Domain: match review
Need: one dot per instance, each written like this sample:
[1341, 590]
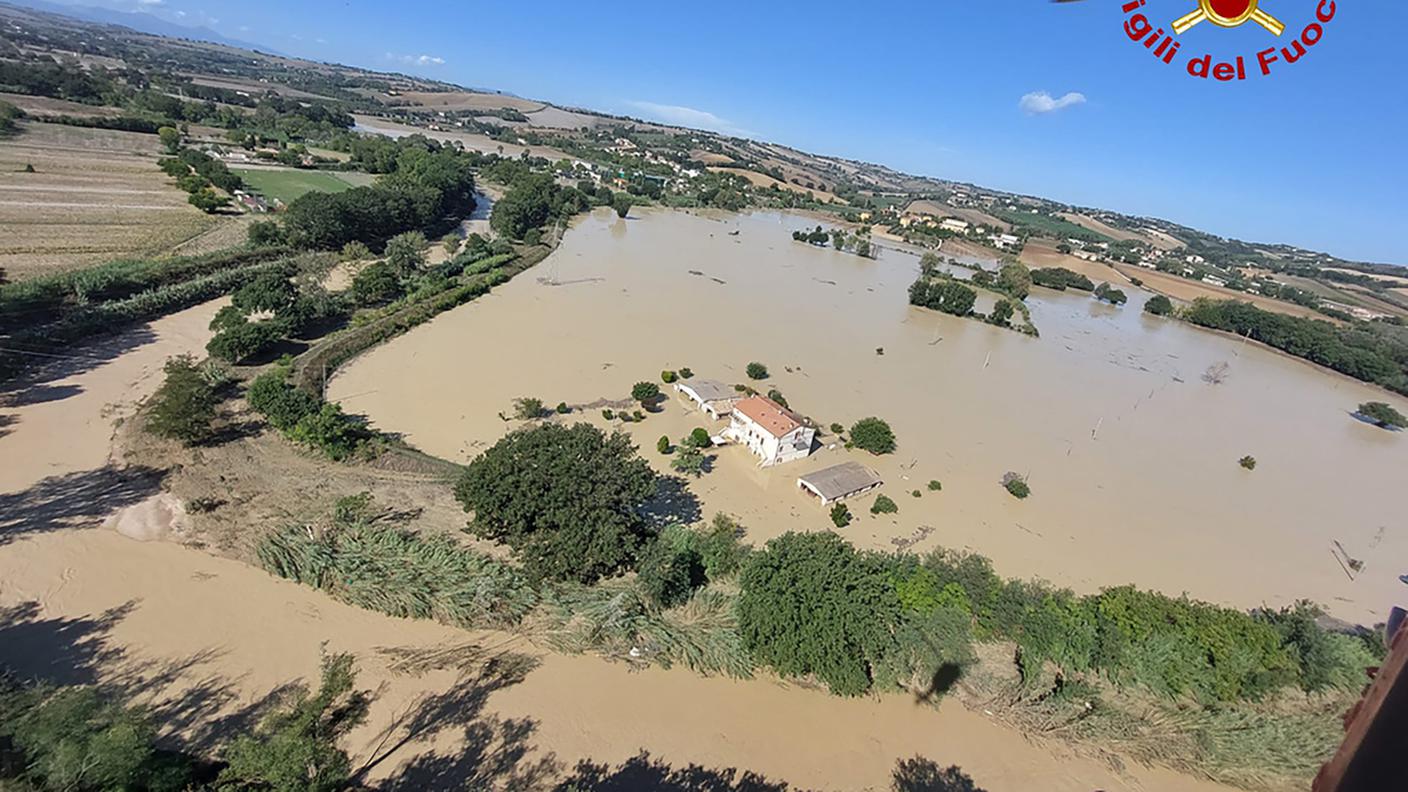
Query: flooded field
[1132, 457]
[203, 641]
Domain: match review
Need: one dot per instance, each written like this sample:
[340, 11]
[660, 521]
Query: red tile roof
[771, 416]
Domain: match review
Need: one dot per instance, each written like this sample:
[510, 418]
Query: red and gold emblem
[1228, 13]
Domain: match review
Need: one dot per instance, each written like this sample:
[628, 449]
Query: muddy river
[1131, 455]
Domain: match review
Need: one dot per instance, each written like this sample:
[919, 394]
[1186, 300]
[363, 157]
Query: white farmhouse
[772, 432]
[955, 225]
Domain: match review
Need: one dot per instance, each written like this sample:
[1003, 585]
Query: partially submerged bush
[1016, 484]
[840, 515]
[884, 505]
[1383, 415]
[756, 371]
[668, 377]
[1248, 462]
[873, 435]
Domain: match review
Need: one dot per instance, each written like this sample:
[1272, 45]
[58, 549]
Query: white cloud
[416, 60]
[1041, 102]
[686, 117]
[149, 3]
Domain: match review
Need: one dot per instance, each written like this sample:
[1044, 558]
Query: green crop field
[286, 185]
[1054, 227]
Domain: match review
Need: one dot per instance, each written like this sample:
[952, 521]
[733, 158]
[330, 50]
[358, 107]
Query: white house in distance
[772, 432]
[955, 225]
[713, 398]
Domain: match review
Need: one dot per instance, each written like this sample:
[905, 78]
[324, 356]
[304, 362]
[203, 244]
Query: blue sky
[1313, 155]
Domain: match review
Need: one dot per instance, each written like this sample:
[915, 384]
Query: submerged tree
[1383, 415]
[873, 435]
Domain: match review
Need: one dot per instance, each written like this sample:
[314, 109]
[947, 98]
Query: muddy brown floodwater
[202, 640]
[1131, 456]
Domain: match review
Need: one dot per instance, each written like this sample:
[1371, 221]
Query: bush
[668, 377]
[331, 432]
[375, 284]
[663, 445]
[268, 292]
[265, 233]
[239, 343]
[562, 408]
[281, 403]
[873, 435]
[183, 408]
[1158, 305]
[699, 438]
[689, 461]
[1383, 415]
[776, 395]
[645, 392]
[837, 428]
[840, 515]
[671, 567]
[757, 371]
[1110, 294]
[295, 747]
[884, 505]
[355, 251]
[721, 548]
[528, 409]
[565, 499]
[1016, 484]
[812, 605]
[78, 738]
[1248, 462]
[1015, 279]
[685, 373]
[935, 485]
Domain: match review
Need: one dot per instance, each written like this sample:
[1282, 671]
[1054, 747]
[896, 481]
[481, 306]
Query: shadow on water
[198, 712]
[43, 365]
[673, 504]
[74, 498]
[40, 394]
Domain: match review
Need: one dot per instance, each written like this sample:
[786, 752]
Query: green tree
[621, 202]
[671, 567]
[756, 371]
[1001, 313]
[272, 396]
[405, 253]
[1383, 415]
[873, 435]
[77, 738]
[1158, 305]
[330, 431]
[208, 201]
[645, 392]
[268, 292]
[689, 461]
[699, 438]
[663, 445]
[376, 283]
[1015, 279]
[565, 499]
[295, 748]
[1110, 294]
[183, 408]
[812, 605]
[170, 139]
[265, 233]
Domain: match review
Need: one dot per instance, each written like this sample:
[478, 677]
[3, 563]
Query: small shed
[712, 397]
[839, 482]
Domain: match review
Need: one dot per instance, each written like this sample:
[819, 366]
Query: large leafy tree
[565, 499]
[811, 604]
[873, 435]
